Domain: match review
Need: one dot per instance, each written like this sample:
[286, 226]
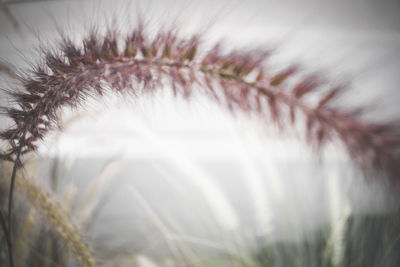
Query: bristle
[307, 85]
[279, 78]
[329, 96]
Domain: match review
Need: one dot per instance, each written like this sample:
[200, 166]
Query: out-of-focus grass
[368, 240]
[372, 240]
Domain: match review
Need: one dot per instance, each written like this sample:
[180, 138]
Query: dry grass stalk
[57, 218]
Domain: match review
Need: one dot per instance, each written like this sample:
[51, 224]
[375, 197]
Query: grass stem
[7, 237]
[9, 212]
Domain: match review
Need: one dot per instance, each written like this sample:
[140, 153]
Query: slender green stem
[10, 195]
[7, 237]
[10, 198]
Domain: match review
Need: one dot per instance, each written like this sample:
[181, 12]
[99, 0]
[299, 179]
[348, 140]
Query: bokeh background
[167, 180]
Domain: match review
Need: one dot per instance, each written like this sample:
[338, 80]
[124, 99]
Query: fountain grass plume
[239, 80]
